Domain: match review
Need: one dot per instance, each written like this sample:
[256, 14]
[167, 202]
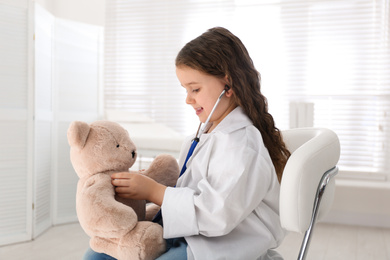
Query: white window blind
[331, 56]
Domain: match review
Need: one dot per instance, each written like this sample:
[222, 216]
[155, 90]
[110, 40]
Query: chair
[309, 170]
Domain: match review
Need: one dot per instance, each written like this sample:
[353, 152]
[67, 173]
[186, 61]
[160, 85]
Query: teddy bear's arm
[98, 211]
[164, 169]
[151, 211]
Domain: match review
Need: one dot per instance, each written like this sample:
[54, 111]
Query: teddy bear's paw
[164, 169]
[151, 211]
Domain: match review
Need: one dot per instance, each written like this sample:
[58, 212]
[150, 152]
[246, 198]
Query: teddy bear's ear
[78, 133]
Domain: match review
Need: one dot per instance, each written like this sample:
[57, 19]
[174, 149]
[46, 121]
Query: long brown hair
[219, 53]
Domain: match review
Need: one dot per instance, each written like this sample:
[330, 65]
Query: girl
[225, 205]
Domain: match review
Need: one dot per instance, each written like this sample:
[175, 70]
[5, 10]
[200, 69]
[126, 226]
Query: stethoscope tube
[195, 141]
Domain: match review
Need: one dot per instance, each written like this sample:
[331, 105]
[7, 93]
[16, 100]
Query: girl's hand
[137, 186]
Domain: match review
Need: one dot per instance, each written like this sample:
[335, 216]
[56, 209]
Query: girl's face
[203, 91]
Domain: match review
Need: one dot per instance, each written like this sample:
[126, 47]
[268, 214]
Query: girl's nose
[189, 99]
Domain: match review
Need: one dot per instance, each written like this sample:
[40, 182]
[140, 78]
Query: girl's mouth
[198, 110]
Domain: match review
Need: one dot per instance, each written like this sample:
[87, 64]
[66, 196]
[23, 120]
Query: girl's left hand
[134, 185]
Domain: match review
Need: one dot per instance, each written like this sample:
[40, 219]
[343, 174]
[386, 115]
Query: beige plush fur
[116, 226]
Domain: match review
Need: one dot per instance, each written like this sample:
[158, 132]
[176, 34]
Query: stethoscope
[201, 130]
[195, 141]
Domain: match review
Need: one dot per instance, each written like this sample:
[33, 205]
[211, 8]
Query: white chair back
[313, 152]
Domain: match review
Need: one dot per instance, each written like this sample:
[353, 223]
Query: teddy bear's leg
[151, 239]
[144, 242]
[108, 246]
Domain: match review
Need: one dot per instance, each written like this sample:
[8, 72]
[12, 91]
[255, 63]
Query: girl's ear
[229, 93]
[228, 85]
[78, 133]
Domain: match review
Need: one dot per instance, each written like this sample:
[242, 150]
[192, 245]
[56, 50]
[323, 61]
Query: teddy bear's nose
[133, 153]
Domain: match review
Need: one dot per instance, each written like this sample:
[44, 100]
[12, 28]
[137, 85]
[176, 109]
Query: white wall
[85, 11]
[361, 202]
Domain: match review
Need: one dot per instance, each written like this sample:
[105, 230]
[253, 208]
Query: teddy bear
[116, 226]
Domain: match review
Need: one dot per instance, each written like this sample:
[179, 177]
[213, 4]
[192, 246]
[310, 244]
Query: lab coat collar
[235, 120]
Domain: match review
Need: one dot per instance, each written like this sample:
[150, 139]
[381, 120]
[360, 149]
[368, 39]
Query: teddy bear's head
[100, 147]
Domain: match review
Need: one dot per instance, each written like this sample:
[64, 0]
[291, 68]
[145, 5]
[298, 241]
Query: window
[330, 57]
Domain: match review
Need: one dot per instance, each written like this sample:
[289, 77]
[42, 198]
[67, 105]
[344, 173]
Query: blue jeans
[92, 255]
[176, 250]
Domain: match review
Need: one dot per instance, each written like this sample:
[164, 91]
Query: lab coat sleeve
[178, 213]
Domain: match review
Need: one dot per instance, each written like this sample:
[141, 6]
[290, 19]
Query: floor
[68, 242]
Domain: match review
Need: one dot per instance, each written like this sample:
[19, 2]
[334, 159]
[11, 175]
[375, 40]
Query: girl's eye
[195, 90]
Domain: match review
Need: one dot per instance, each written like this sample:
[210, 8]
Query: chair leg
[328, 175]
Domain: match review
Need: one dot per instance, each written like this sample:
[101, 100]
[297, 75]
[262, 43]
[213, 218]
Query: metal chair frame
[326, 177]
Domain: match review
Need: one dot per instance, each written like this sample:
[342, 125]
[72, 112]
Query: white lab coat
[226, 204]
